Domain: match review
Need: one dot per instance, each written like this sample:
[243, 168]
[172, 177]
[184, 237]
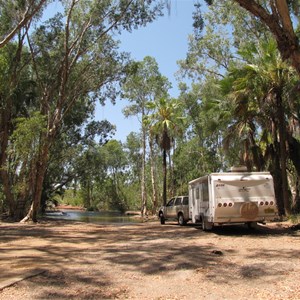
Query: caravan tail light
[266, 203]
[230, 204]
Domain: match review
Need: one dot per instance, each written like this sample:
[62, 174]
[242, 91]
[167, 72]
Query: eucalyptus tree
[166, 122]
[99, 172]
[75, 59]
[74, 161]
[277, 16]
[132, 147]
[145, 84]
[17, 99]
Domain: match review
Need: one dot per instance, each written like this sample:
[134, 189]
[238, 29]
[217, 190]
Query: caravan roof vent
[238, 169]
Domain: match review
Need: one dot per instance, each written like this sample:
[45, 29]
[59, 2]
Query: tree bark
[165, 177]
[41, 166]
[283, 153]
[143, 177]
[153, 177]
[4, 173]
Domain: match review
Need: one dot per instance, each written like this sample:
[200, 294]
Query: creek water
[93, 217]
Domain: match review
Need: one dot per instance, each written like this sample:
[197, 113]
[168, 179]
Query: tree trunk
[5, 120]
[41, 167]
[294, 154]
[143, 183]
[172, 187]
[283, 153]
[153, 177]
[165, 177]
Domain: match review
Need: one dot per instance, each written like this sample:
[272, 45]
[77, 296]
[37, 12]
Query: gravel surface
[73, 260]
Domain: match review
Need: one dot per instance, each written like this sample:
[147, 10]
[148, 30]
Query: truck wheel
[181, 220]
[162, 219]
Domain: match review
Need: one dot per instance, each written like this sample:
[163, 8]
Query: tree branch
[27, 16]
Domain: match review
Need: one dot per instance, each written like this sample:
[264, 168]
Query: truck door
[178, 206]
[170, 209]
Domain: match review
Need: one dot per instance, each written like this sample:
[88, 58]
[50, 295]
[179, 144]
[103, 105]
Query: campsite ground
[72, 260]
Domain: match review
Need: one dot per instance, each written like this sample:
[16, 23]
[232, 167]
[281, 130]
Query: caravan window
[198, 193]
[205, 192]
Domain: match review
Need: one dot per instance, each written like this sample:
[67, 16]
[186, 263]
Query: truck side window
[198, 193]
[185, 201]
[178, 201]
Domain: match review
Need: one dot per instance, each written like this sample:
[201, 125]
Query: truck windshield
[171, 202]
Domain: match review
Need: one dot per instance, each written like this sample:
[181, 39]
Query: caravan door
[204, 203]
[195, 203]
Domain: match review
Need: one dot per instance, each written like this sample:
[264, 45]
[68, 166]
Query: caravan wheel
[251, 225]
[206, 226]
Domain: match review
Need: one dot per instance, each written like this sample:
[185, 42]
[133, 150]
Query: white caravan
[232, 197]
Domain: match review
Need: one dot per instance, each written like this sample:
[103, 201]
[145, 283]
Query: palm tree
[259, 92]
[165, 124]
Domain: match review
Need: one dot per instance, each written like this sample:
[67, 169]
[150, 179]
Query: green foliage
[70, 197]
[166, 121]
[144, 85]
[26, 137]
[295, 219]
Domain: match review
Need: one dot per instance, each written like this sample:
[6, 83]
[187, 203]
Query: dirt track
[148, 261]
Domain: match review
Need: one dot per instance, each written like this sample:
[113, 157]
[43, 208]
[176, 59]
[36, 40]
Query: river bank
[74, 260]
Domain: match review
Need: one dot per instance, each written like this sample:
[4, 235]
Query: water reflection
[92, 216]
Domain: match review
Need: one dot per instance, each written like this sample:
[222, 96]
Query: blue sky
[166, 39]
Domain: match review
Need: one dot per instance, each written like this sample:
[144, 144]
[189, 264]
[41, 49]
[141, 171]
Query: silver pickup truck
[176, 209]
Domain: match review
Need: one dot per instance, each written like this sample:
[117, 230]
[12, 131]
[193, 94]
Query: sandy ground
[71, 260]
